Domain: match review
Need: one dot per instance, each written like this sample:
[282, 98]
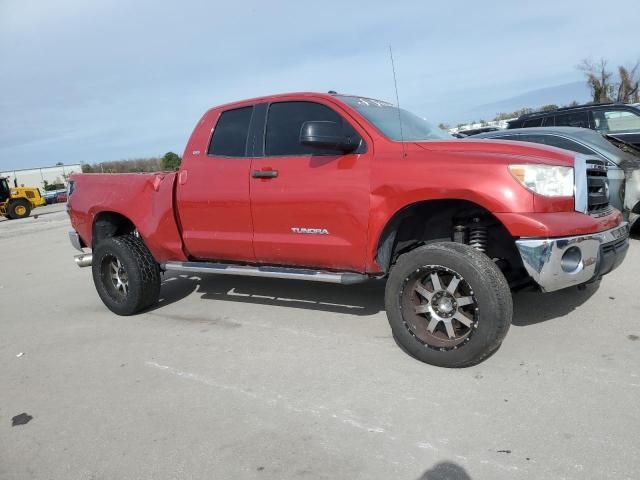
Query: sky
[92, 81]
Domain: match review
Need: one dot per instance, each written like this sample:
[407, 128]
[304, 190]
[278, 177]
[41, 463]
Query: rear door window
[565, 143]
[534, 122]
[507, 137]
[530, 138]
[550, 121]
[575, 119]
[230, 135]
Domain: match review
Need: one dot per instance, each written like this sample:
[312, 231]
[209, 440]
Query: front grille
[597, 188]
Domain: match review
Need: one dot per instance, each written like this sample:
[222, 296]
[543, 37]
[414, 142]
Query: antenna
[395, 84]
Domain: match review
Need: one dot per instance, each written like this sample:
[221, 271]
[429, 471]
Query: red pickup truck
[338, 188]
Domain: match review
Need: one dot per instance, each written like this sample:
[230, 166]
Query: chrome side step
[344, 278]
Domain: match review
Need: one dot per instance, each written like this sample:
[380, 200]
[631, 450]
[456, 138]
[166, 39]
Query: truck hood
[511, 151]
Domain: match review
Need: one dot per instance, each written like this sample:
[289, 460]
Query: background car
[474, 131]
[617, 119]
[623, 160]
[55, 196]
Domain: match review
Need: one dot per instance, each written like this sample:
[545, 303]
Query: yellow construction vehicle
[18, 202]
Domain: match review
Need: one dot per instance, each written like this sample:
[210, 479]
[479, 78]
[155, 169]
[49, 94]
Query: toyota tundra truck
[341, 189]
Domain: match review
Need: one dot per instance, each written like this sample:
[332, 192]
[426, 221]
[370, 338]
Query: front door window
[616, 120]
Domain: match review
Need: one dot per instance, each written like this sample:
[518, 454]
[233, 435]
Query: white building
[35, 177]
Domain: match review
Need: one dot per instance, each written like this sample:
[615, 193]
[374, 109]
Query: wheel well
[449, 220]
[110, 224]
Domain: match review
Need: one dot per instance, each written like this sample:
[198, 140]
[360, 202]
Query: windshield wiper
[630, 146]
[629, 163]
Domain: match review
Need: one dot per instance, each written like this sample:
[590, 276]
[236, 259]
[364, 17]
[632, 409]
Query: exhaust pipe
[84, 260]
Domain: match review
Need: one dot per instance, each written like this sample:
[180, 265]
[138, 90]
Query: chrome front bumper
[556, 263]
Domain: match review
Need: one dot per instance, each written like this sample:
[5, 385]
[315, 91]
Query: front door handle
[264, 173]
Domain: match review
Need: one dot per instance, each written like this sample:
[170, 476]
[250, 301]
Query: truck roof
[279, 96]
[270, 98]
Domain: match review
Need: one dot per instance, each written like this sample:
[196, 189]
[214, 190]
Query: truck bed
[145, 199]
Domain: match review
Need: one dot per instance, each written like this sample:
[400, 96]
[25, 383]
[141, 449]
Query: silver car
[622, 159]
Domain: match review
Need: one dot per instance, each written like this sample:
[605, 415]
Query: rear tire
[19, 209]
[448, 304]
[126, 276]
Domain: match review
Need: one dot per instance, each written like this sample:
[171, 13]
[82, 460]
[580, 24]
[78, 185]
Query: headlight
[547, 180]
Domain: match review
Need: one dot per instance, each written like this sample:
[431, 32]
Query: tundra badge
[310, 231]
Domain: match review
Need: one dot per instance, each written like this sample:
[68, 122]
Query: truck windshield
[384, 116]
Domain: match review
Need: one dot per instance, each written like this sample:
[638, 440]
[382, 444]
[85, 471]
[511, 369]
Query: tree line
[169, 161]
[606, 87]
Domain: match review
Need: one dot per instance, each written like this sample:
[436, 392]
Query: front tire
[448, 304]
[19, 209]
[126, 276]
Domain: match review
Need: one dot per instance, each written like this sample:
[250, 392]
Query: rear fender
[146, 202]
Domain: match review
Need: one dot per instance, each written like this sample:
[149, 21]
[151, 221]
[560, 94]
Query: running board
[344, 278]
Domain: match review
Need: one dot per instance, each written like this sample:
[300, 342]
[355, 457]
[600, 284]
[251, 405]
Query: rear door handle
[264, 173]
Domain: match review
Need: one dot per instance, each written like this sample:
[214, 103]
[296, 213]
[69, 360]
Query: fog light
[571, 261]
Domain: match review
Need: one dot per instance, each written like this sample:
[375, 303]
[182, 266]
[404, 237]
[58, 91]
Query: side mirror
[326, 134]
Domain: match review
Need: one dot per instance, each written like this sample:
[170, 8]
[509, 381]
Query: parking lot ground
[235, 377]
[44, 210]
